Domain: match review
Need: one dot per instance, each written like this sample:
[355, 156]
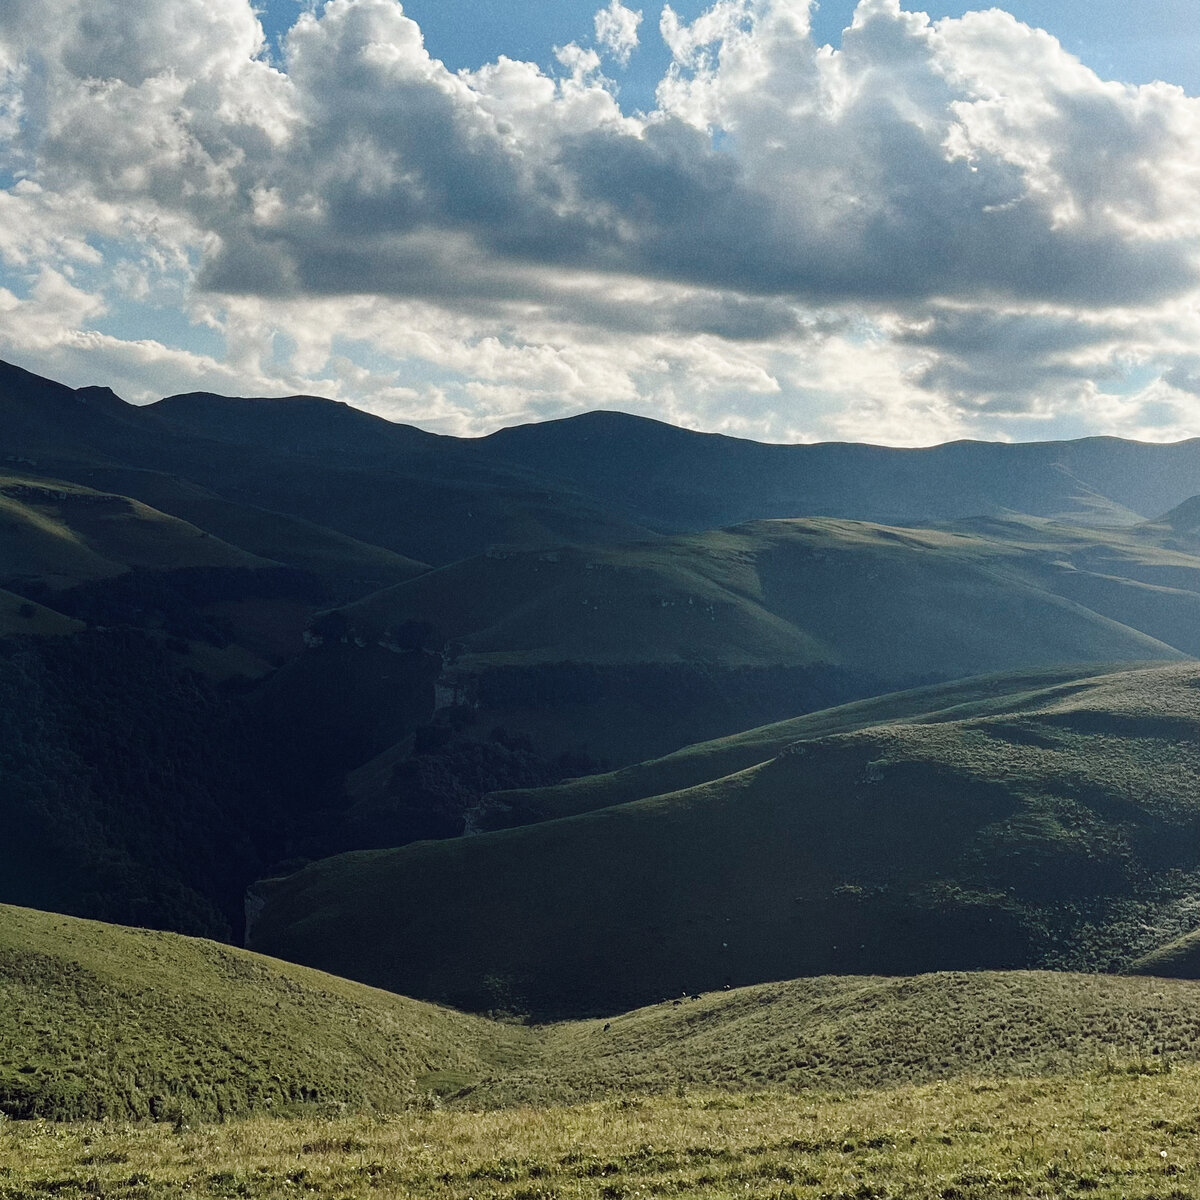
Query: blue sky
[1136, 43]
[945, 223]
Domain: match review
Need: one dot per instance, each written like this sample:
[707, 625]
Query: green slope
[349, 568]
[639, 649]
[105, 1021]
[19, 617]
[706, 761]
[112, 1022]
[863, 1031]
[770, 592]
[1178, 959]
[63, 534]
[1062, 833]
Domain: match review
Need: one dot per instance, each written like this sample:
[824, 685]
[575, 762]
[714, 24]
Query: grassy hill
[63, 534]
[799, 591]
[638, 649]
[862, 1031]
[1063, 834]
[706, 761]
[20, 617]
[104, 1021]
[1178, 959]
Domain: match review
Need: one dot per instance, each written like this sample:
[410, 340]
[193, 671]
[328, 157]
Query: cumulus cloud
[617, 30]
[956, 216]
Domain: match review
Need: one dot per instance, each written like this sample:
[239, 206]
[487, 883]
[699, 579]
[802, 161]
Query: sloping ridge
[100, 1021]
[1183, 519]
[1061, 834]
[704, 762]
[104, 1021]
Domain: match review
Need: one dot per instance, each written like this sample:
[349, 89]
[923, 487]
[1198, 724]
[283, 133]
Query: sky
[757, 217]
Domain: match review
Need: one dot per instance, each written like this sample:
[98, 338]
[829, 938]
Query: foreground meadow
[1128, 1131]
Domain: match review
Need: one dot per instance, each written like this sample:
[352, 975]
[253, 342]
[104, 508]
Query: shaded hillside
[1060, 834]
[1181, 524]
[347, 567]
[698, 480]
[106, 560]
[631, 651]
[133, 789]
[1178, 959]
[102, 1021]
[431, 508]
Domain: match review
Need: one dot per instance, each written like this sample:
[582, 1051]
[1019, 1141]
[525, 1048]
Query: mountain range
[716, 712]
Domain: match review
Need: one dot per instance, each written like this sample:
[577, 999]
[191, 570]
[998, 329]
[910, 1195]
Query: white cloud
[617, 30]
[943, 228]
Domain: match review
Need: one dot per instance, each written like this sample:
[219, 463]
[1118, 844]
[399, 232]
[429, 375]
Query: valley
[586, 794]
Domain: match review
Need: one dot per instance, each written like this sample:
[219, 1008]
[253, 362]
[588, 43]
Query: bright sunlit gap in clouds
[859, 223]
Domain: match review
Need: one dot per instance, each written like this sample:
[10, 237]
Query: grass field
[97, 1020]
[1116, 1134]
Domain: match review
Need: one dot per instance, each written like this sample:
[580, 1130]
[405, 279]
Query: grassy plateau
[1113, 1134]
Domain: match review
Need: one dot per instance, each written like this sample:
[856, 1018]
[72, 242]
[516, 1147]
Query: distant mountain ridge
[236, 633]
[596, 476]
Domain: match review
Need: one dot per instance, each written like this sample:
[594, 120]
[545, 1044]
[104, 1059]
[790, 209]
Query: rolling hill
[62, 534]
[595, 477]
[1062, 833]
[631, 651]
[986, 695]
[304, 458]
[102, 1021]
[691, 480]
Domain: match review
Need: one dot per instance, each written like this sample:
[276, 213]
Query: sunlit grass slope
[977, 696]
[856, 1031]
[104, 1021]
[1065, 833]
[62, 534]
